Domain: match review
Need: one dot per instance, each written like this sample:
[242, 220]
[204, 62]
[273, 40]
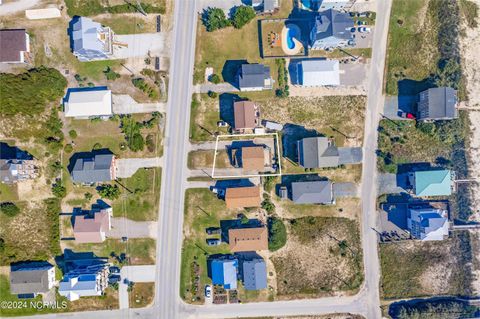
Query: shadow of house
[74, 20]
[225, 225]
[226, 101]
[71, 259]
[291, 134]
[408, 91]
[86, 155]
[230, 70]
[232, 183]
[287, 181]
[421, 306]
[8, 152]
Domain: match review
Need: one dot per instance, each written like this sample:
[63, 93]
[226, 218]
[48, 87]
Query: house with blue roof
[224, 272]
[89, 40]
[254, 274]
[428, 223]
[432, 182]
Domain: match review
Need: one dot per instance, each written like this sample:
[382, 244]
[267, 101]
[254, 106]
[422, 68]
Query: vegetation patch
[447, 308]
[277, 234]
[94, 7]
[337, 265]
[141, 295]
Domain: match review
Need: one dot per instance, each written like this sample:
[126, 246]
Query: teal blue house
[432, 183]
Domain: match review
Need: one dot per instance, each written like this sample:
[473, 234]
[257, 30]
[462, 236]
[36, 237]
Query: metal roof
[332, 23]
[433, 183]
[254, 274]
[319, 72]
[428, 224]
[87, 102]
[438, 103]
[316, 192]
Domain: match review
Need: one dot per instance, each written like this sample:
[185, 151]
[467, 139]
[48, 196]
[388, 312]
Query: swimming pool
[291, 33]
[310, 4]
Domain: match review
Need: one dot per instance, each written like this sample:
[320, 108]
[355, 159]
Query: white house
[88, 102]
[428, 223]
[318, 73]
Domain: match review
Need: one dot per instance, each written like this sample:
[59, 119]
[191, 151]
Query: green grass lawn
[8, 192]
[142, 203]
[142, 294]
[202, 210]
[122, 24]
[412, 44]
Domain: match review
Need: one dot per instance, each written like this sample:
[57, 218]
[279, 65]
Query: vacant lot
[347, 207]
[416, 269]
[203, 119]
[32, 234]
[128, 23]
[204, 159]
[139, 251]
[215, 48]
[409, 141]
[140, 195]
[412, 45]
[142, 294]
[337, 266]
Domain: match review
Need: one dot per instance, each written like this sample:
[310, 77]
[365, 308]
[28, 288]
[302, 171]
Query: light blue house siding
[89, 40]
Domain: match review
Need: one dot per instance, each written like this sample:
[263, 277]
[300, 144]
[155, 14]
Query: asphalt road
[167, 301]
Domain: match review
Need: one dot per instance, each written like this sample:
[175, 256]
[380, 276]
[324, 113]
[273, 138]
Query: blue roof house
[224, 272]
[254, 274]
[432, 183]
[89, 40]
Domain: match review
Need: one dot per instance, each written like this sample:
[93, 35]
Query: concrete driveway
[391, 183]
[350, 155]
[219, 88]
[354, 74]
[125, 104]
[140, 45]
[126, 167]
[133, 274]
[123, 227]
[345, 190]
[394, 104]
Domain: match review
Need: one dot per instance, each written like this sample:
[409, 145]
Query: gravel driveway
[126, 167]
[125, 104]
[123, 227]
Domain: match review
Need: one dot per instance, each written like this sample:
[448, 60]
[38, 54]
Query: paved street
[126, 167]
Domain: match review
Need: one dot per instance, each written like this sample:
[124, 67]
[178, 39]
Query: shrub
[242, 16]
[214, 19]
[72, 134]
[109, 191]
[9, 209]
[88, 196]
[277, 234]
[110, 74]
[68, 148]
[150, 143]
[214, 78]
[97, 146]
[136, 142]
[212, 94]
[59, 190]
[268, 206]
[438, 309]
[147, 88]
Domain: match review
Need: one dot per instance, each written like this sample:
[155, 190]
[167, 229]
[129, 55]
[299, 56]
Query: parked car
[113, 279]
[406, 115]
[351, 43]
[364, 30]
[353, 30]
[361, 22]
[213, 241]
[218, 191]
[213, 230]
[208, 291]
[362, 14]
[222, 124]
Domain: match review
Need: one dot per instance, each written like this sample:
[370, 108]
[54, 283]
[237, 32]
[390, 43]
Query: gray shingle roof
[333, 23]
[93, 170]
[254, 274]
[28, 279]
[315, 152]
[438, 103]
[253, 75]
[317, 192]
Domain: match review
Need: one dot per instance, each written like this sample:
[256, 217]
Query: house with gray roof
[89, 40]
[16, 165]
[428, 223]
[314, 72]
[254, 274]
[313, 192]
[437, 104]
[94, 169]
[317, 152]
[254, 77]
[332, 29]
[31, 278]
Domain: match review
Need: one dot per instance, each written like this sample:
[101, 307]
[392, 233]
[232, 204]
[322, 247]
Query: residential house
[270, 6]
[428, 223]
[224, 272]
[14, 46]
[90, 40]
[314, 192]
[241, 197]
[84, 103]
[94, 169]
[332, 29]
[318, 73]
[432, 182]
[253, 158]
[85, 279]
[321, 5]
[254, 77]
[16, 165]
[92, 226]
[316, 152]
[246, 116]
[437, 104]
[31, 278]
[248, 239]
[254, 274]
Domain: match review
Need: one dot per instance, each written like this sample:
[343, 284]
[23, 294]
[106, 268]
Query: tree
[212, 94]
[110, 74]
[109, 191]
[68, 148]
[72, 134]
[242, 16]
[214, 19]
[59, 190]
[214, 78]
[88, 196]
[277, 234]
[9, 209]
[136, 143]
